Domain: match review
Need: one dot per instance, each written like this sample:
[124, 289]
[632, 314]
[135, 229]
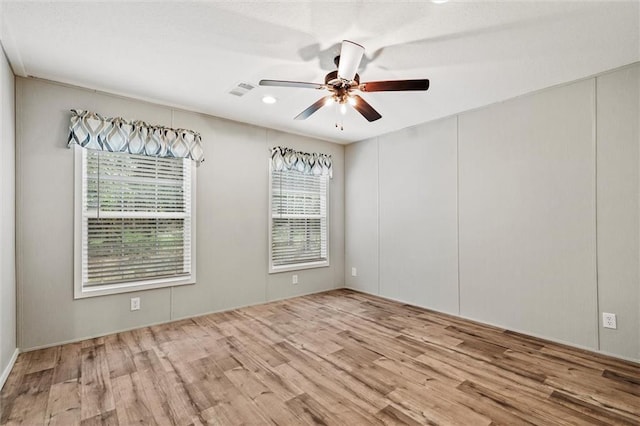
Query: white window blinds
[136, 219]
[298, 219]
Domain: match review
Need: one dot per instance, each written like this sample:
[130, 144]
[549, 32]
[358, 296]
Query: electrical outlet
[294, 279]
[609, 320]
[135, 303]
[354, 272]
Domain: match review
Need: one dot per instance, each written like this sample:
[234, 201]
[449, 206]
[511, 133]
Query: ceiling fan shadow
[504, 42]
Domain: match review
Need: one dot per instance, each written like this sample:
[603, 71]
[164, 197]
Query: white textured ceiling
[191, 54]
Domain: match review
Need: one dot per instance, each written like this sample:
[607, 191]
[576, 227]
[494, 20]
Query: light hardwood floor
[339, 358]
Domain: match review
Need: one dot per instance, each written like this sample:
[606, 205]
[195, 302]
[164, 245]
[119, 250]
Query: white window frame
[80, 291]
[297, 266]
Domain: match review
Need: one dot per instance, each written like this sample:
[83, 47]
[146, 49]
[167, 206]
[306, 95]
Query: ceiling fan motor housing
[332, 79]
[339, 86]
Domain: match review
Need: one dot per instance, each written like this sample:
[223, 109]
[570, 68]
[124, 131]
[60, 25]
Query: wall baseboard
[527, 333]
[7, 370]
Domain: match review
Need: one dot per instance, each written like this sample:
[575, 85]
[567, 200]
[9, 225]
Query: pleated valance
[308, 163]
[93, 131]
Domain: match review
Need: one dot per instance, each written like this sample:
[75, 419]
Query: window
[299, 221]
[134, 222]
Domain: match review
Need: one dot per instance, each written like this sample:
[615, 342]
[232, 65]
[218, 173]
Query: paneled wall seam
[378, 207]
[344, 219]
[595, 190]
[15, 200]
[171, 288]
[19, 252]
[458, 203]
[267, 218]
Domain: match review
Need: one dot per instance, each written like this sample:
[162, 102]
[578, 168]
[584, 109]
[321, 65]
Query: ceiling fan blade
[284, 83]
[365, 109]
[313, 108]
[350, 57]
[394, 85]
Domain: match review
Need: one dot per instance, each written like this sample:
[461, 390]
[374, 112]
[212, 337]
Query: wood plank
[311, 411]
[523, 409]
[132, 406]
[108, 418]
[44, 359]
[166, 393]
[63, 407]
[95, 385]
[30, 405]
[68, 367]
[591, 410]
[9, 392]
[343, 404]
[393, 415]
[120, 360]
[425, 404]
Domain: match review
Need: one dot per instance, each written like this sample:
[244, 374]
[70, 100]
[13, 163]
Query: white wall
[418, 245]
[527, 214]
[232, 219]
[7, 218]
[361, 224]
[618, 112]
[522, 214]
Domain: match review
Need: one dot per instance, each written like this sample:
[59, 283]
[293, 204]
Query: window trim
[79, 291]
[296, 266]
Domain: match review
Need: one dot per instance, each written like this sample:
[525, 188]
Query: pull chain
[339, 117]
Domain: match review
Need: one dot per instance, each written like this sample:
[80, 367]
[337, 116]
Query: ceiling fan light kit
[342, 82]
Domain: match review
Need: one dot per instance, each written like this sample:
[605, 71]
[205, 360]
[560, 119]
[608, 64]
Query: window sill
[298, 267]
[133, 286]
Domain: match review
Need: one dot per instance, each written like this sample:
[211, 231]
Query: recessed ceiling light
[439, 1]
[269, 100]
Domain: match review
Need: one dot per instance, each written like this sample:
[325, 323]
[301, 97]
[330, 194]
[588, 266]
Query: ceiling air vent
[241, 89]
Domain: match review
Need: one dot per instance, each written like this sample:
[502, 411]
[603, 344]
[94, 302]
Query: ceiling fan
[344, 81]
